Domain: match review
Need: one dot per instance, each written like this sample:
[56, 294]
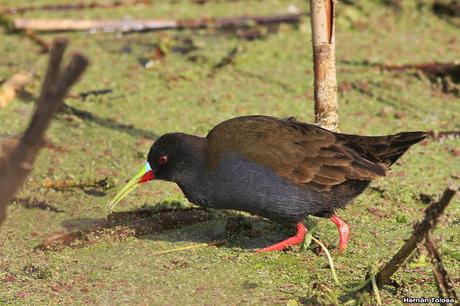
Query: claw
[294, 240]
[344, 232]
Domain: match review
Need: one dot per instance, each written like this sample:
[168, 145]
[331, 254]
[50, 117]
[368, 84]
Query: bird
[280, 169]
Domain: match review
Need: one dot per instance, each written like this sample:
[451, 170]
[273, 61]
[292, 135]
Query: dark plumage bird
[280, 169]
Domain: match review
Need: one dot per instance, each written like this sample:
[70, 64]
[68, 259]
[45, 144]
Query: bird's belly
[245, 186]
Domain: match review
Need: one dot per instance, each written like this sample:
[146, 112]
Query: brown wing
[303, 153]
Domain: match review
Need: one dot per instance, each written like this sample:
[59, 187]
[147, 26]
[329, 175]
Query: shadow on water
[194, 225]
[108, 123]
[129, 129]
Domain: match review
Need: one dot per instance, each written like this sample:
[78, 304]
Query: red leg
[344, 232]
[294, 240]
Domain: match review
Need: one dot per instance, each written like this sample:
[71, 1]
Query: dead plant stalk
[16, 164]
[443, 282]
[325, 87]
[421, 229]
[57, 25]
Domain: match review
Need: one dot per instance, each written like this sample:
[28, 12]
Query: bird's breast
[243, 185]
[196, 196]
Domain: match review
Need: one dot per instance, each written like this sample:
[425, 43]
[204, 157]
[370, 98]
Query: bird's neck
[194, 186]
[195, 167]
[193, 183]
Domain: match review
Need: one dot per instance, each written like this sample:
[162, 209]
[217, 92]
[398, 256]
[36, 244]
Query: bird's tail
[386, 148]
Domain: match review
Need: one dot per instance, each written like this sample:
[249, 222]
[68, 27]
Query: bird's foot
[295, 240]
[344, 232]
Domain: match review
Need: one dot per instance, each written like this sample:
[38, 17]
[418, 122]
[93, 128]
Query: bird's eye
[163, 159]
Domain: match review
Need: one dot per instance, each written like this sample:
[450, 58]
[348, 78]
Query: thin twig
[13, 87]
[104, 183]
[432, 214]
[334, 273]
[228, 59]
[364, 284]
[190, 247]
[71, 6]
[59, 25]
[18, 162]
[432, 69]
[443, 135]
[8, 23]
[445, 287]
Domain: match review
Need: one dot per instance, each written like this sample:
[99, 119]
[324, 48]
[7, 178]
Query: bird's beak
[144, 175]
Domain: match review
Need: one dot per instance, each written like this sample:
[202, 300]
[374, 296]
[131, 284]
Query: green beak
[144, 175]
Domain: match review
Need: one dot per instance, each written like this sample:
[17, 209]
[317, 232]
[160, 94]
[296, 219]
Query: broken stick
[71, 6]
[59, 25]
[430, 69]
[16, 164]
[9, 26]
[445, 287]
[432, 214]
[104, 183]
[14, 85]
[323, 32]
[443, 135]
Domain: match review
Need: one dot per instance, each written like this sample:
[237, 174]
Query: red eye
[163, 159]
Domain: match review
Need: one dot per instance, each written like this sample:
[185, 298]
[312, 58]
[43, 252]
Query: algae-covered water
[107, 136]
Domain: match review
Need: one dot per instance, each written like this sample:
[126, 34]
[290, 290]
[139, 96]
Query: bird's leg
[294, 240]
[344, 231]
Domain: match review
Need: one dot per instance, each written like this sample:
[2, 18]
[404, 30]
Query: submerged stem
[336, 278]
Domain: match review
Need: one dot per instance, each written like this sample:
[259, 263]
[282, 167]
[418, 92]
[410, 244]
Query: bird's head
[173, 157]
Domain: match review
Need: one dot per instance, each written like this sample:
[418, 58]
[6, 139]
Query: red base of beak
[148, 176]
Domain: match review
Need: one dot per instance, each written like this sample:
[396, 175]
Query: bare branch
[71, 6]
[432, 214]
[443, 135]
[13, 87]
[445, 287]
[431, 68]
[56, 25]
[8, 23]
[17, 163]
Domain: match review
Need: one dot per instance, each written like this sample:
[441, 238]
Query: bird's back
[330, 168]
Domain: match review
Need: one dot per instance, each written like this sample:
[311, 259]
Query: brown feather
[302, 153]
